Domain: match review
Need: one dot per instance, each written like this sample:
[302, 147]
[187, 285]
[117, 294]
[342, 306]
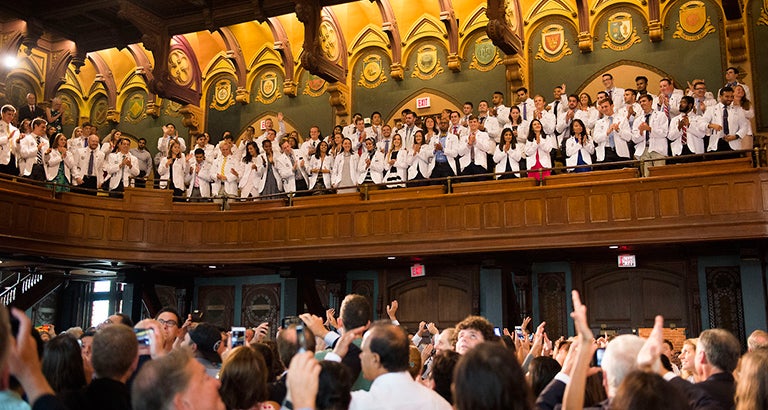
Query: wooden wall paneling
[691, 207]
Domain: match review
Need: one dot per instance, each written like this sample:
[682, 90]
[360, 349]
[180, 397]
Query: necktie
[726, 128]
[223, 165]
[386, 145]
[472, 152]
[171, 184]
[122, 170]
[610, 136]
[197, 175]
[684, 138]
[647, 133]
[39, 152]
[85, 142]
[666, 108]
[556, 104]
[696, 106]
[360, 147]
[455, 130]
[90, 165]
[525, 111]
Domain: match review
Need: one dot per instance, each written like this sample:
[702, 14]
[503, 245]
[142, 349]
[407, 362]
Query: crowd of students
[349, 362]
[529, 138]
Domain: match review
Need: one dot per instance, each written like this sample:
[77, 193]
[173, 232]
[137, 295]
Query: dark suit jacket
[24, 113]
[551, 398]
[711, 394]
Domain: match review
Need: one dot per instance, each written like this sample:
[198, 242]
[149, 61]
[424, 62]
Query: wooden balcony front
[705, 201]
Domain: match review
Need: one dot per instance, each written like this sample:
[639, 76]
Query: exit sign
[627, 261]
[417, 270]
[423, 102]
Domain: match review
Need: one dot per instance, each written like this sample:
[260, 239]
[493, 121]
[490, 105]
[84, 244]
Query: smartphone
[497, 331]
[290, 320]
[197, 316]
[301, 338]
[238, 336]
[519, 332]
[144, 336]
[597, 359]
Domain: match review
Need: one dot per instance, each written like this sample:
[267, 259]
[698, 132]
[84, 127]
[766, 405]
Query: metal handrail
[20, 286]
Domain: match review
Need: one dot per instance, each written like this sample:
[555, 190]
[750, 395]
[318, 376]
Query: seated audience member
[507, 155]
[224, 172]
[175, 382]
[203, 339]
[173, 170]
[472, 331]
[647, 391]
[59, 163]
[243, 379]
[344, 174]
[538, 147]
[726, 124]
[89, 166]
[757, 340]
[199, 176]
[287, 347]
[541, 371]
[752, 389]
[114, 357]
[619, 359]
[122, 166]
[717, 354]
[334, 387]
[579, 147]
[686, 131]
[270, 182]
[370, 165]
[249, 179]
[441, 377]
[63, 366]
[489, 377]
[320, 166]
[19, 357]
[170, 321]
[611, 135]
[384, 360]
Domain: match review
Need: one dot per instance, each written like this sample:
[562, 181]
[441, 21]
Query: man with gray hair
[717, 354]
[757, 340]
[115, 356]
[174, 382]
[619, 360]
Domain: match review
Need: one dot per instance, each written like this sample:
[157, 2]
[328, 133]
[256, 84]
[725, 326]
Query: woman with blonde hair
[687, 360]
[752, 388]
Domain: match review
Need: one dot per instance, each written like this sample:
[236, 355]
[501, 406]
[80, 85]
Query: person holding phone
[204, 340]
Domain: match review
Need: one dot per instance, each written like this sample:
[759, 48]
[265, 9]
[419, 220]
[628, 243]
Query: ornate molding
[585, 42]
[283, 47]
[448, 17]
[389, 26]
[735, 42]
[339, 99]
[242, 95]
[314, 59]
[192, 118]
[505, 25]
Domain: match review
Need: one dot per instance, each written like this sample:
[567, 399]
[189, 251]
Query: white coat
[203, 176]
[52, 161]
[513, 155]
[179, 172]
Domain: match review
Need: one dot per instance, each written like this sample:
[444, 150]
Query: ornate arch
[283, 48]
[105, 77]
[266, 56]
[426, 27]
[409, 98]
[392, 30]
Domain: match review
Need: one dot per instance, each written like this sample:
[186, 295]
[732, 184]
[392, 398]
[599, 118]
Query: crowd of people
[532, 138]
[349, 362]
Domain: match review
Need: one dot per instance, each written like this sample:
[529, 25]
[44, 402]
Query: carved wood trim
[507, 38]
[283, 47]
[313, 59]
[390, 27]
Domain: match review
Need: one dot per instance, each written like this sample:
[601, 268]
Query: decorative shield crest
[620, 27]
[486, 56]
[694, 23]
[621, 33]
[315, 86]
[552, 39]
[372, 72]
[553, 45]
[693, 16]
[134, 108]
[268, 88]
[427, 63]
[222, 95]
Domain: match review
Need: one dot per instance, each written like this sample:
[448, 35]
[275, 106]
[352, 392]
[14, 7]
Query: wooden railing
[725, 199]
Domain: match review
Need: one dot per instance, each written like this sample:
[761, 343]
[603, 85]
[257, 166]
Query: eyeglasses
[168, 322]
